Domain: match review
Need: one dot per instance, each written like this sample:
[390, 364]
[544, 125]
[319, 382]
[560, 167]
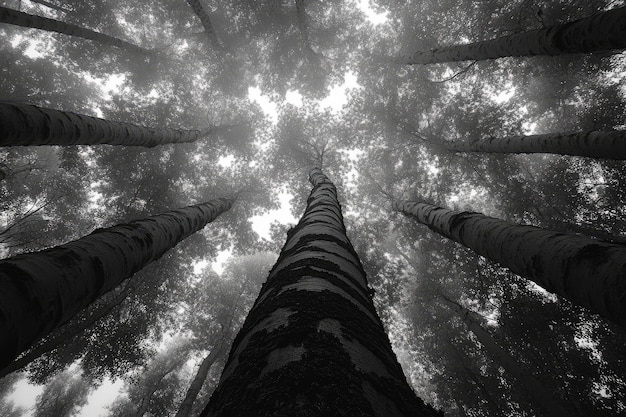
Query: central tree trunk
[313, 344]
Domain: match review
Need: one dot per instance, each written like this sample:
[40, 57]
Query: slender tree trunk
[42, 290]
[609, 144]
[198, 380]
[51, 5]
[205, 19]
[313, 343]
[303, 25]
[27, 125]
[144, 404]
[586, 271]
[14, 17]
[603, 31]
[71, 329]
[537, 391]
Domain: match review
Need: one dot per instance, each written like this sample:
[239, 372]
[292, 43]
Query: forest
[312, 208]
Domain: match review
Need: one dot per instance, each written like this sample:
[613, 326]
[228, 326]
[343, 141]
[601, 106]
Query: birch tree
[313, 340]
[28, 125]
[586, 271]
[602, 32]
[594, 144]
[205, 19]
[17, 18]
[42, 290]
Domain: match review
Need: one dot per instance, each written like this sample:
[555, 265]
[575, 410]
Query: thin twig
[463, 71]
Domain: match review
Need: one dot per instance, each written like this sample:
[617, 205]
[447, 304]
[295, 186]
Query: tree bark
[601, 32]
[586, 271]
[205, 19]
[70, 330]
[42, 290]
[28, 125]
[593, 144]
[542, 395]
[51, 5]
[313, 343]
[198, 380]
[17, 18]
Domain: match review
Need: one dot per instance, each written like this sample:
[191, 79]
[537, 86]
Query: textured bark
[541, 394]
[594, 144]
[42, 290]
[313, 344]
[27, 125]
[205, 19]
[586, 271]
[601, 32]
[69, 330]
[14, 17]
[198, 380]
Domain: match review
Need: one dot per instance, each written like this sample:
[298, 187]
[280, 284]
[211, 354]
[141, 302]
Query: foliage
[388, 139]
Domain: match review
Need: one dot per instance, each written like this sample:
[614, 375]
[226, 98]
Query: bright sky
[261, 224]
[375, 18]
[335, 100]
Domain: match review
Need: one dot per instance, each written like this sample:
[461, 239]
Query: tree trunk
[205, 19]
[609, 144]
[313, 343]
[603, 31]
[71, 329]
[198, 380]
[40, 291]
[146, 398]
[17, 18]
[27, 125]
[542, 395]
[51, 5]
[586, 271]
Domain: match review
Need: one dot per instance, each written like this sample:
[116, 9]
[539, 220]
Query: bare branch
[463, 71]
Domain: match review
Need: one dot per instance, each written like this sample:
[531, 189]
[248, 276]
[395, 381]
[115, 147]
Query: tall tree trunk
[313, 343]
[198, 380]
[541, 394]
[72, 328]
[51, 5]
[608, 144]
[603, 31]
[205, 19]
[14, 17]
[303, 24]
[27, 125]
[586, 271]
[40, 291]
